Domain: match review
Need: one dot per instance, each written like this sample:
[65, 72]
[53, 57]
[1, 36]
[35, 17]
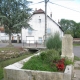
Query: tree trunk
[10, 40]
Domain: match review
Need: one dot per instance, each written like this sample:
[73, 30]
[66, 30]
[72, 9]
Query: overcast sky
[60, 12]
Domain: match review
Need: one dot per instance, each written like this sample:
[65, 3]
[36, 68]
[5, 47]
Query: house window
[29, 31]
[39, 20]
[48, 31]
[39, 39]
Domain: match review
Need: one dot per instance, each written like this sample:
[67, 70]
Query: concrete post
[67, 46]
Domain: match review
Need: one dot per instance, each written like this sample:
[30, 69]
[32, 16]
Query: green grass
[76, 44]
[12, 60]
[76, 58]
[46, 61]
[36, 63]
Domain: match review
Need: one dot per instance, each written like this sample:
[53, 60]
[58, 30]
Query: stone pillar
[67, 46]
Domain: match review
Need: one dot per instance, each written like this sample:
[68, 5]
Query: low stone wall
[14, 72]
[20, 74]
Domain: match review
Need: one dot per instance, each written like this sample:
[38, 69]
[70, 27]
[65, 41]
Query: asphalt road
[76, 49]
[15, 44]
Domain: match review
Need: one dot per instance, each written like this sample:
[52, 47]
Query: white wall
[4, 36]
[39, 27]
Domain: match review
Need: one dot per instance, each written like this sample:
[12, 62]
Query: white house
[5, 37]
[37, 22]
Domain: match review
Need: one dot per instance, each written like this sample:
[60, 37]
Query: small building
[37, 30]
[5, 37]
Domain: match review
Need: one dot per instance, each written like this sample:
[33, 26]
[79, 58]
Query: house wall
[5, 37]
[37, 22]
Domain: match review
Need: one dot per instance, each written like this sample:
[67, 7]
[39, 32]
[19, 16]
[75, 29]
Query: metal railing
[33, 43]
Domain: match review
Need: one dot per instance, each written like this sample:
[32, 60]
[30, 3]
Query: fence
[33, 43]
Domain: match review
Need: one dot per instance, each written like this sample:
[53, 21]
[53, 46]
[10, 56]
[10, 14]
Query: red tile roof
[38, 11]
[1, 29]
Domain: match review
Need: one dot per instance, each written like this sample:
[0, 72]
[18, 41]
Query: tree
[77, 31]
[64, 24]
[14, 14]
[70, 27]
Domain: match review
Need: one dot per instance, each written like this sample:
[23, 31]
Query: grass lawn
[7, 62]
[76, 58]
[76, 44]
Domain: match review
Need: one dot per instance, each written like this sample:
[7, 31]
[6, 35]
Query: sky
[59, 12]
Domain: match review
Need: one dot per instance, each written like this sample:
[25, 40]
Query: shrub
[50, 55]
[68, 61]
[48, 60]
[43, 61]
[54, 42]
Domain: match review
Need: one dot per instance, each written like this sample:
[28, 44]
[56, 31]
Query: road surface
[76, 49]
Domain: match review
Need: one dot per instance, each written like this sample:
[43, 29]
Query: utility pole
[46, 19]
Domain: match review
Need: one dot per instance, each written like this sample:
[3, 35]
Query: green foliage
[50, 55]
[11, 61]
[1, 73]
[14, 14]
[43, 61]
[54, 42]
[35, 63]
[76, 58]
[70, 27]
[68, 61]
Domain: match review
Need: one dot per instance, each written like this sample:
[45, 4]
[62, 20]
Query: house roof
[40, 11]
[1, 29]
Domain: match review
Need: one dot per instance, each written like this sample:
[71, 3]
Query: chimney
[35, 9]
[51, 14]
[58, 21]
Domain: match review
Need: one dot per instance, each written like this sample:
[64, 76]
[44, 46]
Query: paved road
[15, 44]
[76, 49]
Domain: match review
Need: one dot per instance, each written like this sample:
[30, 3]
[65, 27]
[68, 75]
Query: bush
[48, 60]
[50, 55]
[43, 61]
[54, 42]
[68, 61]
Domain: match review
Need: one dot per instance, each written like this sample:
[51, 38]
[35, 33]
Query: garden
[49, 59]
[46, 64]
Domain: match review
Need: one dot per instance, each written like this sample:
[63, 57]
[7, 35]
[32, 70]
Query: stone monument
[67, 46]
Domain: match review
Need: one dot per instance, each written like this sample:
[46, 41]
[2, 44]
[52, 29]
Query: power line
[36, 3]
[64, 7]
[49, 8]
